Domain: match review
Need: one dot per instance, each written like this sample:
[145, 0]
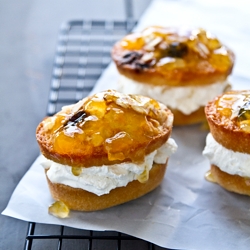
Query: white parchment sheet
[186, 211]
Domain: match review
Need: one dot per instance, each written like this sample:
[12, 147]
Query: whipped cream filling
[186, 99]
[101, 179]
[229, 161]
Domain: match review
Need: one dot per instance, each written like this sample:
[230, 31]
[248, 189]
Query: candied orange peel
[180, 56]
[105, 128]
[169, 48]
[234, 106]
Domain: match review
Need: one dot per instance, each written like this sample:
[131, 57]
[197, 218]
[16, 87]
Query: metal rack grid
[83, 51]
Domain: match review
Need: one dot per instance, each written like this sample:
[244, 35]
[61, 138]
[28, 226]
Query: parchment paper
[186, 211]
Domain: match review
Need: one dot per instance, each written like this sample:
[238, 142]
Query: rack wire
[85, 239]
[82, 53]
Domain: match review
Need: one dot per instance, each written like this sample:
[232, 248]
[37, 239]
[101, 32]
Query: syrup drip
[76, 171]
[144, 176]
[209, 176]
[59, 209]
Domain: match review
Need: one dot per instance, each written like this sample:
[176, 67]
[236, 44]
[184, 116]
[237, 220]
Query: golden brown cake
[106, 149]
[182, 68]
[227, 146]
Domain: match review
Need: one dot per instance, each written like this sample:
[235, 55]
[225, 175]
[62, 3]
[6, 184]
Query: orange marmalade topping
[169, 48]
[235, 106]
[109, 121]
[59, 209]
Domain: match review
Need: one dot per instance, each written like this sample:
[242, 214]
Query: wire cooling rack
[82, 52]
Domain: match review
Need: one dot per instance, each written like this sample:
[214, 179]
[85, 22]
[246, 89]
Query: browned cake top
[229, 119]
[231, 110]
[106, 128]
[176, 54]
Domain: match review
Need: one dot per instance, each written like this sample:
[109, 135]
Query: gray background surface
[28, 36]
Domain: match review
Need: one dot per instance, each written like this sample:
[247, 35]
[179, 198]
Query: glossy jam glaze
[235, 106]
[59, 209]
[112, 122]
[165, 48]
[209, 177]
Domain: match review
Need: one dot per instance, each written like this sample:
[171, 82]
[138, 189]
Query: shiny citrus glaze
[170, 48]
[76, 171]
[59, 209]
[209, 176]
[144, 176]
[100, 124]
[234, 106]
